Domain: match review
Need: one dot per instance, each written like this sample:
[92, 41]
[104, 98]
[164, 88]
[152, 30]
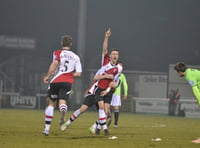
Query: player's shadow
[78, 137]
[87, 137]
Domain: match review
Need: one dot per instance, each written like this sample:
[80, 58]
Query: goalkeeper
[192, 76]
[116, 99]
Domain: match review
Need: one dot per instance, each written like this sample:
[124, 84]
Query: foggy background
[150, 34]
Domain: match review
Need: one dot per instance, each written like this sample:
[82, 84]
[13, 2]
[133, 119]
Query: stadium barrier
[15, 100]
[190, 108]
[151, 105]
[186, 107]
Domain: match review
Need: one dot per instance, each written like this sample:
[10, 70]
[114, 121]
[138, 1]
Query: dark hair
[114, 49]
[180, 67]
[66, 41]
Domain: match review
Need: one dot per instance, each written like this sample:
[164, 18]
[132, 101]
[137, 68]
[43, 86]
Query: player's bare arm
[105, 76]
[51, 70]
[105, 43]
[111, 85]
[77, 74]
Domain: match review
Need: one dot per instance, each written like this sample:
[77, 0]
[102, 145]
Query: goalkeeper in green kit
[193, 77]
[116, 99]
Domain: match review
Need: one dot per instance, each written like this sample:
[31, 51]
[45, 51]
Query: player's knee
[63, 107]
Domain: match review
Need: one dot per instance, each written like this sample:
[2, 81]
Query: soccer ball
[92, 129]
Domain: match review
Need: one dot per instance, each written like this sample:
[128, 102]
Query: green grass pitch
[22, 129]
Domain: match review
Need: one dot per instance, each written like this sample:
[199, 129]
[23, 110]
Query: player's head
[180, 68]
[114, 56]
[66, 41]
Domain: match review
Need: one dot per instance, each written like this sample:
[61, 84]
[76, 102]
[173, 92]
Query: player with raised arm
[109, 61]
[115, 68]
[101, 80]
[65, 66]
[106, 58]
[89, 99]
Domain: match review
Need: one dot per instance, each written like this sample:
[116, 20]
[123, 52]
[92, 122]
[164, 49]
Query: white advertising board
[190, 108]
[151, 105]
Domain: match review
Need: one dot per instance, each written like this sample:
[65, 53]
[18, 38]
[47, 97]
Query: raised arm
[105, 42]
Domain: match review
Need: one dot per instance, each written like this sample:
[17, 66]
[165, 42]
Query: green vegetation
[22, 129]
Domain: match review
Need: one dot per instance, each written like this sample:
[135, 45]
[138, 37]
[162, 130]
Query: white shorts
[116, 100]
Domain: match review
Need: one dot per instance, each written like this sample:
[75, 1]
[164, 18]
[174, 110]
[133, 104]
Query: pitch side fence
[147, 93]
[15, 100]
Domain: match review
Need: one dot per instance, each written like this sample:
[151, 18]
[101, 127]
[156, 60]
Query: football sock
[98, 124]
[74, 116]
[48, 117]
[116, 114]
[102, 118]
[63, 109]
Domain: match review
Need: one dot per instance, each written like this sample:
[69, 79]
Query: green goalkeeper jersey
[123, 82]
[193, 77]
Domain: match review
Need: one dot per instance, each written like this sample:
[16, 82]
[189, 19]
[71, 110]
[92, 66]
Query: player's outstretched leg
[73, 117]
[92, 129]
[65, 125]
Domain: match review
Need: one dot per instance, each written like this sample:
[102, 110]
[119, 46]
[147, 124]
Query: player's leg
[102, 114]
[88, 102]
[108, 114]
[116, 103]
[49, 113]
[94, 125]
[116, 116]
[102, 119]
[106, 101]
[101, 122]
[63, 109]
[109, 100]
[64, 90]
[74, 116]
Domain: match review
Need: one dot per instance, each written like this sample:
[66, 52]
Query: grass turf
[23, 128]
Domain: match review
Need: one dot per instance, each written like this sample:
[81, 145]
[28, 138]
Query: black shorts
[89, 100]
[60, 90]
[106, 99]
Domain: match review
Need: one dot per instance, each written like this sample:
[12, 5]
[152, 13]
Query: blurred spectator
[173, 100]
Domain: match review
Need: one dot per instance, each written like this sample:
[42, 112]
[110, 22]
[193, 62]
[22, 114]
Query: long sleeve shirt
[193, 77]
[123, 82]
